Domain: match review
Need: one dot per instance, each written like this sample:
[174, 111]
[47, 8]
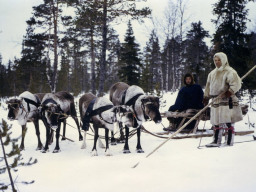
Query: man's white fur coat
[220, 80]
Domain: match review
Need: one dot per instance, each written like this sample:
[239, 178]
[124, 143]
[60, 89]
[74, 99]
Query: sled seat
[186, 115]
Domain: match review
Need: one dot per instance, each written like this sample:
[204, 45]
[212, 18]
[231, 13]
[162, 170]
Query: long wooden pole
[199, 113]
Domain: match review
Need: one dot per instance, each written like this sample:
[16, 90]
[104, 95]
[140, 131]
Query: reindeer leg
[39, 145]
[113, 140]
[57, 147]
[126, 145]
[48, 129]
[84, 141]
[23, 133]
[107, 152]
[121, 138]
[51, 135]
[96, 135]
[78, 128]
[138, 148]
[64, 130]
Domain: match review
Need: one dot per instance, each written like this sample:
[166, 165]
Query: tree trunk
[55, 44]
[103, 51]
[93, 80]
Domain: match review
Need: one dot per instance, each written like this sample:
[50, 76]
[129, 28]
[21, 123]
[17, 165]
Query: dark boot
[229, 136]
[172, 125]
[217, 137]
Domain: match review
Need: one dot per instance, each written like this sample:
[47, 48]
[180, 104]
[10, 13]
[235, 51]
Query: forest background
[76, 46]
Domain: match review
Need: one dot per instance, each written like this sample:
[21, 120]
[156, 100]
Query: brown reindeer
[102, 113]
[146, 107]
[56, 108]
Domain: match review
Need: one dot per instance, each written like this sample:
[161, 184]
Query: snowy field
[178, 166]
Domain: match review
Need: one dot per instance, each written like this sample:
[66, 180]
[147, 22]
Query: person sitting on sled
[189, 97]
[225, 111]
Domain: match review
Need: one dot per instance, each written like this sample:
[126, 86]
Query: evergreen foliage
[197, 53]
[11, 153]
[230, 36]
[129, 61]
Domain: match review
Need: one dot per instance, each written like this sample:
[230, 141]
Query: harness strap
[101, 110]
[132, 101]
[29, 101]
[90, 113]
[50, 100]
[123, 97]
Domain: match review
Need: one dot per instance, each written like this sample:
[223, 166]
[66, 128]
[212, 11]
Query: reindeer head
[14, 105]
[125, 114]
[53, 114]
[150, 105]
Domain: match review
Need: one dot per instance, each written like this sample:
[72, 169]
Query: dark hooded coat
[189, 97]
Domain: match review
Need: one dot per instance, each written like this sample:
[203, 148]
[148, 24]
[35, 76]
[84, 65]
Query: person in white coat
[225, 111]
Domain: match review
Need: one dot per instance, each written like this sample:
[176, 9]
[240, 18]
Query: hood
[224, 60]
[192, 78]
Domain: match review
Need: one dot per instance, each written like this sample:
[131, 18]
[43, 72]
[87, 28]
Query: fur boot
[217, 137]
[229, 136]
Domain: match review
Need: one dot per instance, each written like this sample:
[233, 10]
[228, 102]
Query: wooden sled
[195, 133]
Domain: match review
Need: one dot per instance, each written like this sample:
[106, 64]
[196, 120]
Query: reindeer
[56, 108]
[102, 114]
[145, 107]
[25, 109]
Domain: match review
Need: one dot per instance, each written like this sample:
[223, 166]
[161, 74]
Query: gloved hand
[205, 101]
[227, 94]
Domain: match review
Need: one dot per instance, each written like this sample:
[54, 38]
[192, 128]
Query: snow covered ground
[178, 166]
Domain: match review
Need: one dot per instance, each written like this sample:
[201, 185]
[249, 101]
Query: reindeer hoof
[94, 153]
[45, 150]
[108, 153]
[63, 138]
[81, 138]
[83, 146]
[125, 151]
[56, 150]
[139, 150]
[22, 148]
[39, 148]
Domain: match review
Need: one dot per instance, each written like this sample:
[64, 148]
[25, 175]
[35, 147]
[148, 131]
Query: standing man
[225, 111]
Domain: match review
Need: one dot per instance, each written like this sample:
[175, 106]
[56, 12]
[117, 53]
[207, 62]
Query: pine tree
[152, 55]
[129, 59]
[230, 36]
[46, 17]
[196, 55]
[111, 10]
[64, 75]
[30, 69]
[14, 156]
[172, 66]
[88, 23]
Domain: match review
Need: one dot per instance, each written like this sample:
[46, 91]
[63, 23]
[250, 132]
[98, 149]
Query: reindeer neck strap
[29, 101]
[132, 101]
